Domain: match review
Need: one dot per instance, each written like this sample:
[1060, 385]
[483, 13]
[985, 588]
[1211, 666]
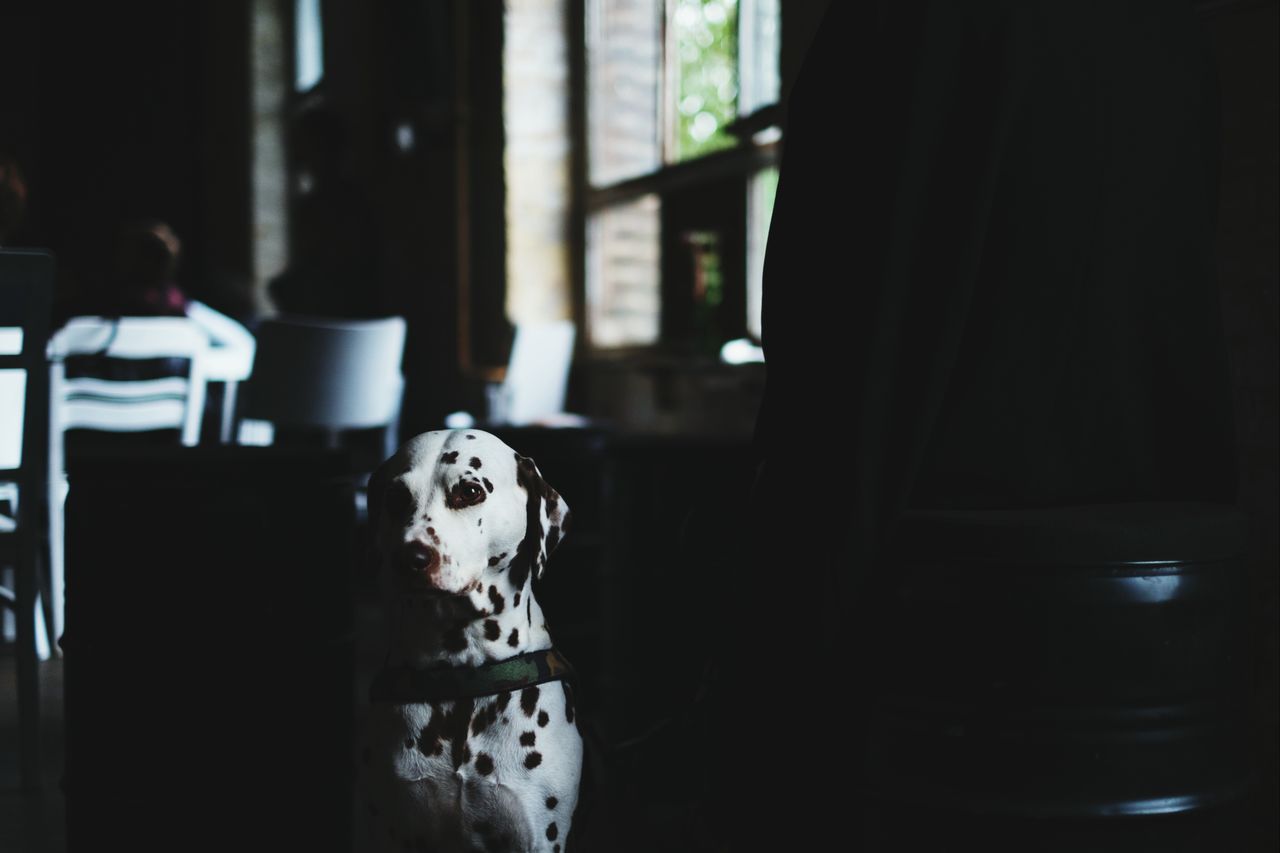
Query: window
[680, 169]
[308, 44]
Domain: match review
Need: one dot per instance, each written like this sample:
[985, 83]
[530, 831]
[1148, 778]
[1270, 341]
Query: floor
[31, 823]
[621, 822]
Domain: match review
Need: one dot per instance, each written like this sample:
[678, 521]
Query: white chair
[117, 404]
[325, 375]
[229, 359]
[26, 289]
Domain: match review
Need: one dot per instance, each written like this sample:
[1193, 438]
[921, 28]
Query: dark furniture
[209, 650]
[1074, 673]
[26, 294]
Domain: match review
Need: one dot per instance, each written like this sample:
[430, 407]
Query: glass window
[704, 63]
[623, 258]
[308, 44]
[625, 55]
[666, 81]
[764, 189]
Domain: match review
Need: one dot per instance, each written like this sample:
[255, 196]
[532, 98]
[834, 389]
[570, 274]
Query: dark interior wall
[395, 68]
[138, 110]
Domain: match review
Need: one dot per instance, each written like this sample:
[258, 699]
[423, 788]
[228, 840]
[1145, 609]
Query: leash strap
[404, 685]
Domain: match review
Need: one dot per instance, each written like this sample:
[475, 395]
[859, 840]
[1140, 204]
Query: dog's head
[456, 511]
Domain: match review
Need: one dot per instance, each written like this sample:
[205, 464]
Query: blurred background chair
[123, 375]
[228, 361]
[26, 291]
[323, 377]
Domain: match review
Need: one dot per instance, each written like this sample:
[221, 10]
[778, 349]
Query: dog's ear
[548, 515]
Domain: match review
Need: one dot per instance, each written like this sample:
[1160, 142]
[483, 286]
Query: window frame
[749, 156]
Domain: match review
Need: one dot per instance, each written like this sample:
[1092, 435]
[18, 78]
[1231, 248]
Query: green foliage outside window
[706, 45]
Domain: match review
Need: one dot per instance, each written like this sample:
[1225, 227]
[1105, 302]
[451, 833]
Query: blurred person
[989, 284]
[142, 280]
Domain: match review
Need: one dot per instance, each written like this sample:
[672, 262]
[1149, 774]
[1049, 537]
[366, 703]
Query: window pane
[310, 44]
[761, 43]
[624, 60]
[764, 189]
[623, 255]
[704, 44]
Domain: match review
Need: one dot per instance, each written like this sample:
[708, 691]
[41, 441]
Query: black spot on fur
[491, 630]
[450, 457]
[408, 744]
[529, 700]
[531, 545]
[481, 721]
[448, 726]
[429, 738]
[532, 760]
[516, 602]
[552, 832]
[568, 701]
[503, 699]
[456, 724]
[472, 437]
[484, 764]
[498, 601]
[553, 538]
[542, 719]
[487, 484]
[528, 738]
[475, 462]
[552, 802]
[528, 611]
[514, 639]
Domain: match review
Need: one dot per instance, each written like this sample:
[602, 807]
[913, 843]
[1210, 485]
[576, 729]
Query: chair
[26, 292]
[140, 393]
[229, 359]
[326, 375]
[537, 375]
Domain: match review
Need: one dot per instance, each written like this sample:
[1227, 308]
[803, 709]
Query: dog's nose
[421, 558]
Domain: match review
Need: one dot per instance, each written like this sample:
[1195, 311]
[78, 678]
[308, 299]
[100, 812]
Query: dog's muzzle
[420, 564]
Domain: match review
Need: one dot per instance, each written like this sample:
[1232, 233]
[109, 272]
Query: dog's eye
[465, 493]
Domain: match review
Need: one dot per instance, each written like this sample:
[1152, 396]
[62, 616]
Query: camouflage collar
[404, 685]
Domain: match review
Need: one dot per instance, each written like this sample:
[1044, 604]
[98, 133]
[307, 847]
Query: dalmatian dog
[462, 524]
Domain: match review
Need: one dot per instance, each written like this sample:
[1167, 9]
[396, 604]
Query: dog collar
[404, 685]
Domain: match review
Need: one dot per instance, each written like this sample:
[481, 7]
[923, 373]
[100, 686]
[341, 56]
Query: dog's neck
[484, 626]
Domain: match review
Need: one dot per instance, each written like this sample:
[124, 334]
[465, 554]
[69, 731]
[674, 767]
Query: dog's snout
[419, 557]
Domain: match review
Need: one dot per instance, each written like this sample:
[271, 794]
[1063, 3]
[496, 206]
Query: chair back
[141, 401]
[327, 374]
[26, 298]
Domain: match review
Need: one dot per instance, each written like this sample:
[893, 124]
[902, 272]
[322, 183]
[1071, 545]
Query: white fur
[440, 802]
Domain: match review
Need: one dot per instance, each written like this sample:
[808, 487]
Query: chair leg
[57, 558]
[26, 582]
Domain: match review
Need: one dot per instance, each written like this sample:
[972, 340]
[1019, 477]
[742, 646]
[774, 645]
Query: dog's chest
[497, 772]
